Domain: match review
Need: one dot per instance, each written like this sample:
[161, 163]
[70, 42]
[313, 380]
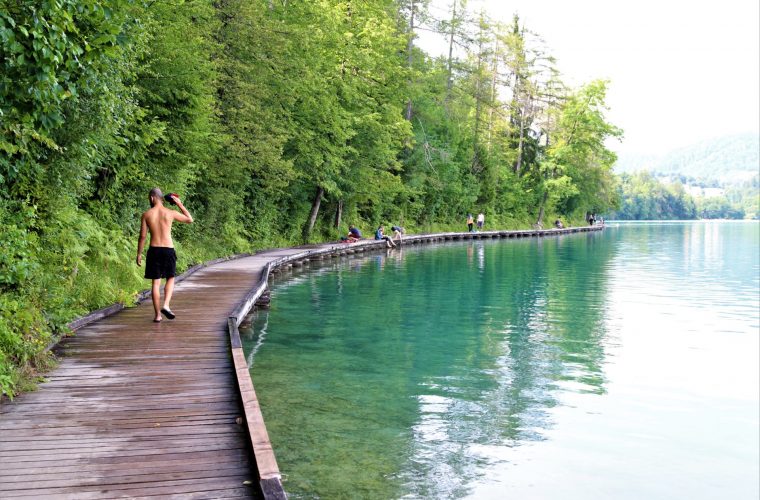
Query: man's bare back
[159, 221]
[161, 262]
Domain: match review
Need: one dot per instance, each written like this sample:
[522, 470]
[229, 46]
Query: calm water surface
[621, 364]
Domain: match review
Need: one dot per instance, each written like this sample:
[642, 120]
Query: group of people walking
[480, 220]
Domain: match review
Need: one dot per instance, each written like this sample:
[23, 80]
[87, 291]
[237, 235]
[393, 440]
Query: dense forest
[711, 179]
[730, 159]
[277, 122]
[645, 196]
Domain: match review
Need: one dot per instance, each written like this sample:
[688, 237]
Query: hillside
[726, 160]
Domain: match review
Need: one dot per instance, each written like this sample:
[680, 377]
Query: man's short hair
[156, 193]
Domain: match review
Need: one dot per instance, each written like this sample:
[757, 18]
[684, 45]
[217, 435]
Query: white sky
[680, 71]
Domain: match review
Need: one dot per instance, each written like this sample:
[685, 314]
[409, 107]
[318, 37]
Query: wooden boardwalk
[137, 409]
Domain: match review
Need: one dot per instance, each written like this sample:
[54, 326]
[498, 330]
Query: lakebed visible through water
[615, 364]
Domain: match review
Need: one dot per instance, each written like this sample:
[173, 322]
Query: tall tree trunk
[450, 60]
[313, 215]
[409, 48]
[476, 139]
[520, 142]
[338, 213]
[540, 220]
[494, 67]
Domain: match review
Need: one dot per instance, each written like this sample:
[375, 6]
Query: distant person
[591, 220]
[380, 235]
[481, 220]
[470, 222]
[353, 234]
[398, 231]
[161, 260]
[558, 224]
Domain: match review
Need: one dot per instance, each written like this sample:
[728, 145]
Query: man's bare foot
[157, 320]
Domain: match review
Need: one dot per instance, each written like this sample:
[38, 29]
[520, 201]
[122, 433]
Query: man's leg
[156, 296]
[168, 290]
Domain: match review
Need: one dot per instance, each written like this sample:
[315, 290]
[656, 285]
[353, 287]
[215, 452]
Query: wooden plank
[105, 436]
[116, 417]
[128, 461]
[124, 451]
[179, 488]
[121, 468]
[51, 430]
[81, 481]
[232, 327]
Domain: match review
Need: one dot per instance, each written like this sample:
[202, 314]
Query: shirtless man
[161, 260]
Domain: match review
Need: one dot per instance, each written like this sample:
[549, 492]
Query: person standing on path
[481, 220]
[398, 231]
[469, 222]
[161, 260]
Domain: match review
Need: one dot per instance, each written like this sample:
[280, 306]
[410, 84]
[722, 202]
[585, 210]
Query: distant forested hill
[671, 186]
[729, 159]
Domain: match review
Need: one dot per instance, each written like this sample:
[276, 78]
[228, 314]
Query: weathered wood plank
[178, 488]
[128, 461]
[128, 480]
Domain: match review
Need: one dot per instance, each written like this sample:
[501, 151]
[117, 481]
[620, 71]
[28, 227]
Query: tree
[577, 168]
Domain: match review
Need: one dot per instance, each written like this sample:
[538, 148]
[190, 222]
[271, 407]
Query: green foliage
[644, 196]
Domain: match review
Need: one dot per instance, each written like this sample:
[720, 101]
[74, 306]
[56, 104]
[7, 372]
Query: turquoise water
[621, 364]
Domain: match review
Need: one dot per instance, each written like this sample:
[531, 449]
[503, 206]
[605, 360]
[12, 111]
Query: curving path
[137, 409]
[140, 409]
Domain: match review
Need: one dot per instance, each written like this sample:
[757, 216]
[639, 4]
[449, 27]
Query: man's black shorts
[161, 262]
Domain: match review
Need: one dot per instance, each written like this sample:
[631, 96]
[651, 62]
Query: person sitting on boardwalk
[481, 220]
[558, 224]
[380, 235]
[353, 234]
[397, 232]
[161, 260]
[470, 222]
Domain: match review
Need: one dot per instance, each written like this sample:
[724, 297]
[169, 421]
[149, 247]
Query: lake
[616, 364]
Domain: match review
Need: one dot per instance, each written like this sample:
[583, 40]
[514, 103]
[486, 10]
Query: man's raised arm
[185, 215]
